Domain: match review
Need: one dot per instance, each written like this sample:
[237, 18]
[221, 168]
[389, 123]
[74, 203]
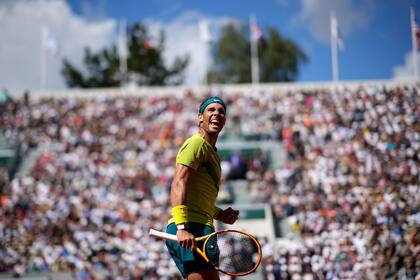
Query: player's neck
[211, 138]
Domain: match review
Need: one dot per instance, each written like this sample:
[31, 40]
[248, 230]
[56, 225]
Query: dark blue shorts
[186, 260]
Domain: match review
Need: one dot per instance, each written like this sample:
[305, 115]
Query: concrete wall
[244, 89]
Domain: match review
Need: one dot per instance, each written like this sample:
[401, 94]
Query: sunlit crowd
[348, 189]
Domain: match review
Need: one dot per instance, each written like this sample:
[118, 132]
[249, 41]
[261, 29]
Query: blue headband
[209, 101]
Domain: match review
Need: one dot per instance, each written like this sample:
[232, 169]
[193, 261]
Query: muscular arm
[179, 196]
[179, 184]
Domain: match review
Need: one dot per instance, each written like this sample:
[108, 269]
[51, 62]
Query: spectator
[350, 185]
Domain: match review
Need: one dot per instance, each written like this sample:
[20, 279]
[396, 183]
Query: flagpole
[334, 53]
[414, 41]
[206, 54]
[43, 62]
[255, 69]
[205, 37]
[123, 50]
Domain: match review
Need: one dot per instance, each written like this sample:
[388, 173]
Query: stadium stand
[326, 175]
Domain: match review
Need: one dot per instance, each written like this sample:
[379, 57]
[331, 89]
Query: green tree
[279, 57]
[231, 56]
[145, 64]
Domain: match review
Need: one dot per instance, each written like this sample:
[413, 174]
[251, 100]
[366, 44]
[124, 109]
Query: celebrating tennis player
[194, 190]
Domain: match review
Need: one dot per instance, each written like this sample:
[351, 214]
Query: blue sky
[376, 33]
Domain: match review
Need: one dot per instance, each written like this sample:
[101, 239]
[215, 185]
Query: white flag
[256, 34]
[335, 32]
[49, 42]
[415, 41]
[204, 31]
[122, 40]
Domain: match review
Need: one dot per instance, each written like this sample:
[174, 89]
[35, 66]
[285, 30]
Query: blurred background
[320, 152]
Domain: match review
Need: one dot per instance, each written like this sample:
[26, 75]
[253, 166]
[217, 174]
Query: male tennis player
[194, 190]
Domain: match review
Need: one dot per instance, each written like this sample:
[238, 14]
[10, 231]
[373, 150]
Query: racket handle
[163, 235]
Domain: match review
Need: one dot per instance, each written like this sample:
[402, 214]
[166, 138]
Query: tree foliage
[279, 57]
[145, 64]
[231, 56]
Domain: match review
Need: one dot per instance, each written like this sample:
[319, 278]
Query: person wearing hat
[194, 190]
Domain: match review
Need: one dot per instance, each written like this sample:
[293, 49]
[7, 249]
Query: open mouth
[215, 124]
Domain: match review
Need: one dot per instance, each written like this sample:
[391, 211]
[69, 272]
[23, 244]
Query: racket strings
[234, 252]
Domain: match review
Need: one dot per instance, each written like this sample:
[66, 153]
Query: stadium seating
[335, 167]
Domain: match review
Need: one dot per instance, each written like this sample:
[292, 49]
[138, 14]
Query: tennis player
[194, 190]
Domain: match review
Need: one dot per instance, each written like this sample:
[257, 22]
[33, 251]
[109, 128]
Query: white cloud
[315, 15]
[22, 20]
[406, 71]
[21, 23]
[182, 37]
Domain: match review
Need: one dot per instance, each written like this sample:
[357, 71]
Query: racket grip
[162, 235]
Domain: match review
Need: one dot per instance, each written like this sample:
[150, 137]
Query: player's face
[213, 119]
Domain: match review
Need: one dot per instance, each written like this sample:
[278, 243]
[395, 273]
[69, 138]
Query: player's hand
[228, 216]
[186, 239]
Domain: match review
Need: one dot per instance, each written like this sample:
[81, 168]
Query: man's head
[212, 115]
[209, 101]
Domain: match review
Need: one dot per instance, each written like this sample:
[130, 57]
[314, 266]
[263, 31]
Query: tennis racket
[232, 252]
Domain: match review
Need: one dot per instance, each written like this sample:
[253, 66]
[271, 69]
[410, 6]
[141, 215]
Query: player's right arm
[179, 197]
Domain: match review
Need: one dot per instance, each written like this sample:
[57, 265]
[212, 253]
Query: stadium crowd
[349, 188]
